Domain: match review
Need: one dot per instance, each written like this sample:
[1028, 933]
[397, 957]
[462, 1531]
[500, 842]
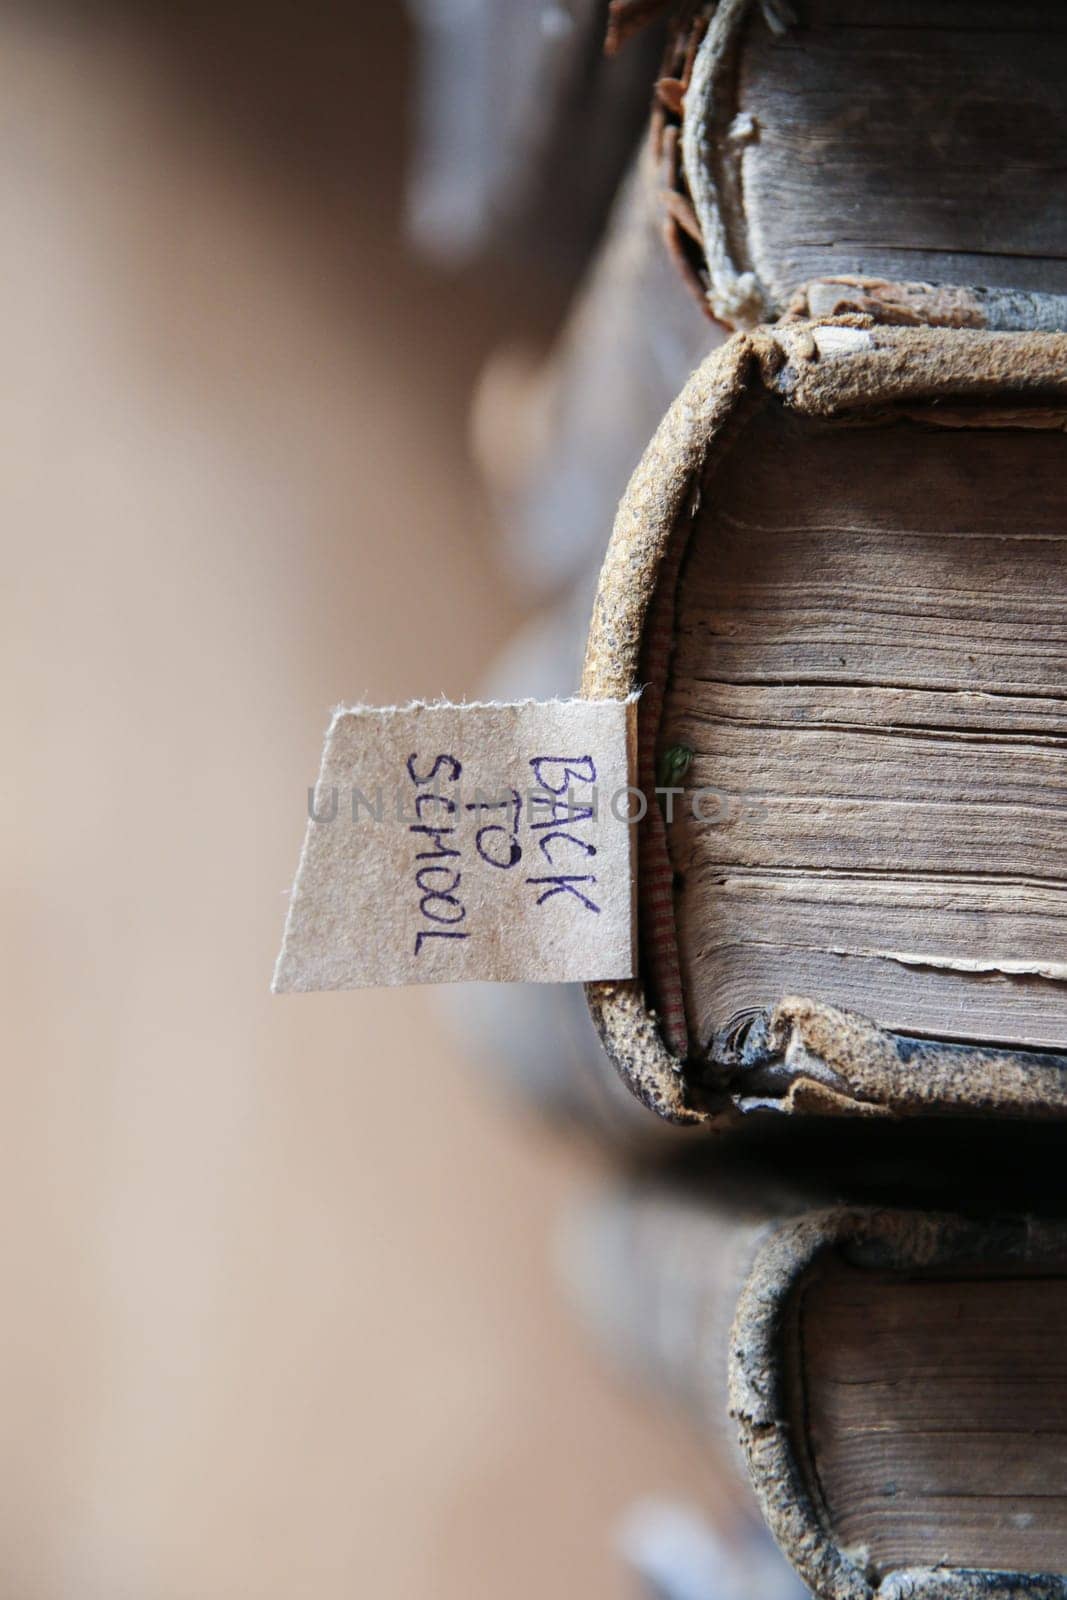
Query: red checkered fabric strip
[659, 940]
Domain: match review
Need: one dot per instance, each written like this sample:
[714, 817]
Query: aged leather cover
[815, 1057]
[696, 1293]
[869, 154]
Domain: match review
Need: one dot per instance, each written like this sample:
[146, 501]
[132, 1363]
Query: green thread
[674, 763]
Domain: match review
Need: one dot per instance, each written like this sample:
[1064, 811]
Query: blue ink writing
[437, 877]
[558, 830]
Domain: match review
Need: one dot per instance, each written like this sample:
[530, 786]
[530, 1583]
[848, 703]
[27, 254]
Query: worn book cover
[888, 1382]
[837, 577]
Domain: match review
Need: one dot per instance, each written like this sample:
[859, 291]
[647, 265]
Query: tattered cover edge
[759, 1403]
[703, 137]
[826, 368]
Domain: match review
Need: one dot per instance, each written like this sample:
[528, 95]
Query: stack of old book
[838, 575]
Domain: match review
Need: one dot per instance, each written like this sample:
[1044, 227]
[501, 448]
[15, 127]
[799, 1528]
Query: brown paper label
[449, 842]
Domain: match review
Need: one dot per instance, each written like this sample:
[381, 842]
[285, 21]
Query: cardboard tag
[449, 842]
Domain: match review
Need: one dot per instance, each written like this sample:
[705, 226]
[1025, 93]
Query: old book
[838, 576]
[913, 145]
[891, 1383]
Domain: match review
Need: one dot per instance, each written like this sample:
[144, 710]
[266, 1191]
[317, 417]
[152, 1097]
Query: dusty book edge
[826, 368]
[759, 1403]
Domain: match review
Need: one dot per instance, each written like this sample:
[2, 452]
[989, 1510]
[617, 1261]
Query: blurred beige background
[278, 1313]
